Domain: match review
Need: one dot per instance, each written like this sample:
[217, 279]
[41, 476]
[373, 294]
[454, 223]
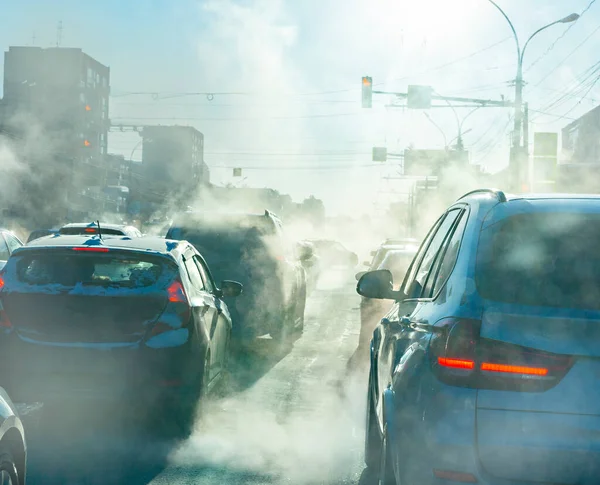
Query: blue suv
[487, 368]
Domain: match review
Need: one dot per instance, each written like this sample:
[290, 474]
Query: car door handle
[423, 326]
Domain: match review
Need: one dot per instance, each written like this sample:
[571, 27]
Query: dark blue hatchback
[137, 320]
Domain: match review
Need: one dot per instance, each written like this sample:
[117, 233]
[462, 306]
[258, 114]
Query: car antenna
[99, 231]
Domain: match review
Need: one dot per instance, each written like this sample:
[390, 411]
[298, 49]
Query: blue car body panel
[498, 437]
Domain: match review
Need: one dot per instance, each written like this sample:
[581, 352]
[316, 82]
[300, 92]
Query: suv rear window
[70, 270]
[541, 259]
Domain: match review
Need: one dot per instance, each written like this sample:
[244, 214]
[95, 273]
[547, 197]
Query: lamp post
[516, 148]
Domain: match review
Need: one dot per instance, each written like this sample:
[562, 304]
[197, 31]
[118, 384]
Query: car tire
[8, 469]
[282, 333]
[299, 313]
[386, 470]
[373, 438]
[174, 417]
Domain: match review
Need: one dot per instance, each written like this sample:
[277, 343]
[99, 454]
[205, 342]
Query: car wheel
[373, 439]
[299, 313]
[8, 470]
[386, 470]
[174, 417]
[281, 334]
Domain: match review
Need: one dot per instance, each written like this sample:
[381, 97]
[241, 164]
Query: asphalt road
[286, 419]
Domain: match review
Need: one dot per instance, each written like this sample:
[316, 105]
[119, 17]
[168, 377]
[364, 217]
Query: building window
[104, 108]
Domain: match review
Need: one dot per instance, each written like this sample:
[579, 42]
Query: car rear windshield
[99, 269]
[77, 231]
[541, 259]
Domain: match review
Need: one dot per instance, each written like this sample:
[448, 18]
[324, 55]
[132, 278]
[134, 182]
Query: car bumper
[439, 435]
[43, 372]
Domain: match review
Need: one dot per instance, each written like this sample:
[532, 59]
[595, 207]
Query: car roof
[157, 245]
[94, 224]
[541, 196]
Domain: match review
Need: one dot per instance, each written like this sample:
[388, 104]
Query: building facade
[173, 160]
[65, 91]
[56, 101]
[579, 166]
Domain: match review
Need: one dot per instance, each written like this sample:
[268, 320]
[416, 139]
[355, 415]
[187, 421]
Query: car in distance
[140, 321]
[253, 249]
[378, 255]
[334, 254]
[372, 310]
[9, 242]
[486, 368]
[38, 233]
[91, 228]
[311, 262]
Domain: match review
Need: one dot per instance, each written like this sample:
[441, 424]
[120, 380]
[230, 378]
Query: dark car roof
[82, 225]
[152, 244]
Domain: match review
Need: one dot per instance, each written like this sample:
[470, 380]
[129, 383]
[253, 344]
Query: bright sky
[289, 72]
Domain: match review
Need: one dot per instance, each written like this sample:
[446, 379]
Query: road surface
[285, 421]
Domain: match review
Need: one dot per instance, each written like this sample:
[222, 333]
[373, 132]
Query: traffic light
[88, 107]
[86, 143]
[367, 92]
[237, 172]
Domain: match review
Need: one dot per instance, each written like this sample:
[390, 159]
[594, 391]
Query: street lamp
[515, 152]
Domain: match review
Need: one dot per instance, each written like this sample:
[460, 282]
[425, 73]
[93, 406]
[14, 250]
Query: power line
[567, 57]
[583, 81]
[547, 51]
[292, 154]
[166, 118]
[550, 114]
[586, 93]
[157, 103]
[298, 167]
[455, 61]
[158, 95]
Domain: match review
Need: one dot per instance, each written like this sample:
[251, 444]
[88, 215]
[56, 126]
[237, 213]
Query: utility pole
[59, 31]
[516, 151]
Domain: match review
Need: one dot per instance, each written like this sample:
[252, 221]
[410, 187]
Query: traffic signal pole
[517, 152]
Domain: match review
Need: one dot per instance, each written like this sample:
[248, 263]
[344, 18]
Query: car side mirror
[230, 289]
[378, 284]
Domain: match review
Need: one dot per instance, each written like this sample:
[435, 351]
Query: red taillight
[176, 314]
[176, 293]
[90, 229]
[92, 249]
[1, 282]
[456, 363]
[461, 357]
[455, 476]
[514, 369]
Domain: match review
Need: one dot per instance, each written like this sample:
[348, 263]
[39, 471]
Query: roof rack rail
[498, 193]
